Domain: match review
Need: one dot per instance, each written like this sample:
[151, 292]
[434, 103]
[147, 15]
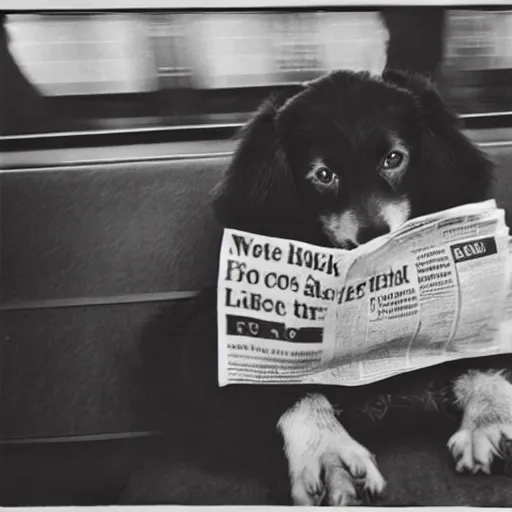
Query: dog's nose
[370, 232]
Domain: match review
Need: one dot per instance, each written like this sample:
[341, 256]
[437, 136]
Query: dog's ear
[257, 190]
[454, 170]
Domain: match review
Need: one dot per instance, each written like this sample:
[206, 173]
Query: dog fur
[348, 123]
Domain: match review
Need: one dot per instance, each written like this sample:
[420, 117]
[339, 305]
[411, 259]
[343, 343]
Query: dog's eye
[393, 160]
[324, 175]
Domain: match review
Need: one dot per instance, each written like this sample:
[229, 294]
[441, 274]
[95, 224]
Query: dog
[343, 159]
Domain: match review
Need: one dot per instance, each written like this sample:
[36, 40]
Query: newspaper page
[437, 289]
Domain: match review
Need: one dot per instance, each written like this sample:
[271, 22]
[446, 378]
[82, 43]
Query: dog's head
[347, 158]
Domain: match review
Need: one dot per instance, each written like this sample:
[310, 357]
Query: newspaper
[437, 289]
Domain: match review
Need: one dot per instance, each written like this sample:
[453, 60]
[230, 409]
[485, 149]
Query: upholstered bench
[90, 253]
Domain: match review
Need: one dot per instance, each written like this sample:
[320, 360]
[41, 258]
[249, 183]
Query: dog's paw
[337, 472]
[474, 450]
[326, 465]
[485, 434]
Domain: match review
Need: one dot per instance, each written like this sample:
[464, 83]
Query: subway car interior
[115, 125]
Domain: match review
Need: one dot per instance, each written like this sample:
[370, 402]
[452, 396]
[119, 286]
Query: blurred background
[127, 70]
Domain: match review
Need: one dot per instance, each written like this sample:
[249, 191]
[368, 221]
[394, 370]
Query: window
[90, 72]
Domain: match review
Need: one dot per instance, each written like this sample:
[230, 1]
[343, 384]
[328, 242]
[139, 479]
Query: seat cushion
[419, 472]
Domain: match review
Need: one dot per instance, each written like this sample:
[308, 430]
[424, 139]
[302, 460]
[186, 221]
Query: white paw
[335, 471]
[474, 450]
[326, 465]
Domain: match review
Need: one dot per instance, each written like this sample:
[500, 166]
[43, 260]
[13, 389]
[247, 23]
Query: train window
[88, 72]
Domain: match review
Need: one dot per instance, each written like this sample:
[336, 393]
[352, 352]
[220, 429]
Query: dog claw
[474, 451]
[334, 483]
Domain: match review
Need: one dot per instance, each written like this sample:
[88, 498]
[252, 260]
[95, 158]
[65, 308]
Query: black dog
[347, 158]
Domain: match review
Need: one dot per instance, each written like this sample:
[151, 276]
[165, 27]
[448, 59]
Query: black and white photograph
[255, 253]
